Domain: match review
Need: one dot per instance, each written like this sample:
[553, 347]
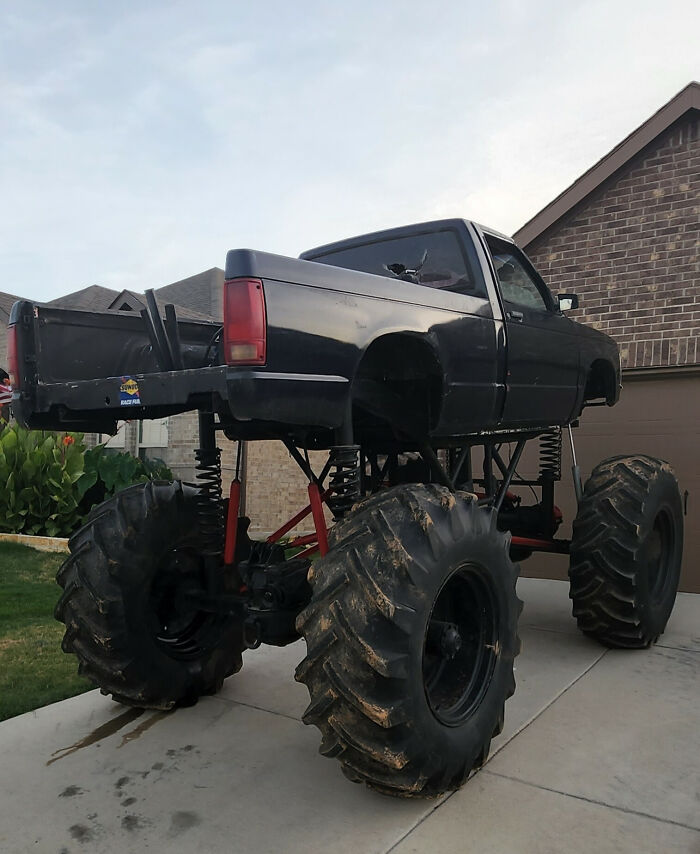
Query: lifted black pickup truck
[452, 333]
[400, 352]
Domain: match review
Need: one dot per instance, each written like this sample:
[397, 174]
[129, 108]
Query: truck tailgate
[84, 370]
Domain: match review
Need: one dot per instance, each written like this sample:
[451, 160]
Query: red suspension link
[294, 521]
[316, 502]
[316, 542]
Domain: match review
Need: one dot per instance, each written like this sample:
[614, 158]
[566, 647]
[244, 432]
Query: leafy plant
[49, 481]
[107, 472]
[40, 481]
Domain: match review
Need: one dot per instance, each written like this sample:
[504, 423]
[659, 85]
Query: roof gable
[686, 100]
[92, 298]
[127, 301]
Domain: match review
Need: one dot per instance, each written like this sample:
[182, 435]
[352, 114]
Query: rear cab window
[435, 259]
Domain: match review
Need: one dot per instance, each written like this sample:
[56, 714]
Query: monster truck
[422, 359]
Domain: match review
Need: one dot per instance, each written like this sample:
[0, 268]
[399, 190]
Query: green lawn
[34, 670]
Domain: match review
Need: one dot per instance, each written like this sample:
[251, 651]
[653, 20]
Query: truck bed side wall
[322, 319]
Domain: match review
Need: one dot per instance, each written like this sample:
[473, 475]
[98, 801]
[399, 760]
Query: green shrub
[49, 481]
[40, 481]
[107, 472]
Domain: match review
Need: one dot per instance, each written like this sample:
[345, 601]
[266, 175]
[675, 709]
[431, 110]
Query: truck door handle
[517, 316]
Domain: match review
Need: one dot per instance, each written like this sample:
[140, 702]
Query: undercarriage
[271, 573]
[399, 573]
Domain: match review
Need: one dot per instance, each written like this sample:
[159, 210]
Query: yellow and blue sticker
[129, 392]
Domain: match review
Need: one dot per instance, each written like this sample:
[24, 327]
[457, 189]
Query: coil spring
[345, 479]
[210, 509]
[550, 454]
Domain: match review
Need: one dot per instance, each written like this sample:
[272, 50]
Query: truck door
[542, 348]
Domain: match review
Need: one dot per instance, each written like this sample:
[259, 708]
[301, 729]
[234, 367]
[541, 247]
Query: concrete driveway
[600, 753]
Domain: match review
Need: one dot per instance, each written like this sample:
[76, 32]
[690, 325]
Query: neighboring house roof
[132, 301]
[92, 298]
[686, 100]
[201, 293]
[6, 303]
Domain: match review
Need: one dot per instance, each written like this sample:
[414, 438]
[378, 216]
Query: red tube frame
[302, 514]
[316, 502]
[317, 541]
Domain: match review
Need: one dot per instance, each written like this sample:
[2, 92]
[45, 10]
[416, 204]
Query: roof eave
[687, 99]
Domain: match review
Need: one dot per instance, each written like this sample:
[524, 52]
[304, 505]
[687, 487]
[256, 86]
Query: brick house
[624, 237]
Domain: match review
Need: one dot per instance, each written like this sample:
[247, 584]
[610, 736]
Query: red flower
[68, 440]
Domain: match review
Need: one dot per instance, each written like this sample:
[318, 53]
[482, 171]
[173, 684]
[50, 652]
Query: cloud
[139, 142]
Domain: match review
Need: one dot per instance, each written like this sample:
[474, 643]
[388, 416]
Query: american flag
[5, 394]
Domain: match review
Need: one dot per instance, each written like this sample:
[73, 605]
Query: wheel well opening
[600, 381]
[407, 366]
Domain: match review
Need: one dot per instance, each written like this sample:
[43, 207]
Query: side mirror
[567, 302]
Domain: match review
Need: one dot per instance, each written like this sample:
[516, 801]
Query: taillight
[245, 325]
[12, 363]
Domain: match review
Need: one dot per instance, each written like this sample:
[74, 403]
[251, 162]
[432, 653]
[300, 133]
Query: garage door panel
[659, 417]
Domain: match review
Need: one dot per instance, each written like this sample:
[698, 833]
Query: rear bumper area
[96, 405]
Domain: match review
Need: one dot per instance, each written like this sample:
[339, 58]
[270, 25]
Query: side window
[517, 285]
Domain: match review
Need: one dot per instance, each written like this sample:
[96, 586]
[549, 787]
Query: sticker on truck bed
[129, 392]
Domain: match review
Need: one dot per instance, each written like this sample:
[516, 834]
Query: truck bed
[74, 363]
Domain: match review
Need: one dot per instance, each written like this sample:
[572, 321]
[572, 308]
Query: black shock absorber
[345, 478]
[550, 471]
[210, 508]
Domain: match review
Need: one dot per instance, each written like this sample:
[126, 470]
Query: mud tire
[145, 536]
[626, 551]
[366, 632]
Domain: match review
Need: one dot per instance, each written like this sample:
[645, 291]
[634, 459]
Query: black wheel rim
[461, 647]
[658, 548]
[178, 626]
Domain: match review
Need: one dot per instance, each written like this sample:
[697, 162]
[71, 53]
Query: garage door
[660, 417]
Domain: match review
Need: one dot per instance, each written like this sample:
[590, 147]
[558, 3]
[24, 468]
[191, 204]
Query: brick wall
[630, 251]
[183, 438]
[276, 488]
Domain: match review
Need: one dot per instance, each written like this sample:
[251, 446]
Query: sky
[139, 141]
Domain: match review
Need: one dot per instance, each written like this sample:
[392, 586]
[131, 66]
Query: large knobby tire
[626, 551]
[126, 619]
[399, 702]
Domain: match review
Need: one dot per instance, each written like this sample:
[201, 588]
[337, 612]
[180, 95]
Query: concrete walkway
[600, 753]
